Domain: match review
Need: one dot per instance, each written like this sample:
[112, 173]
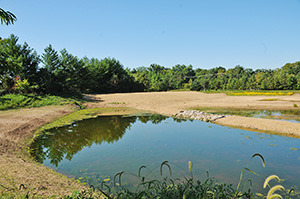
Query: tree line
[158, 78]
[55, 72]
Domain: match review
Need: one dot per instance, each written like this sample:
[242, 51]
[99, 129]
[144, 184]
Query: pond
[96, 149]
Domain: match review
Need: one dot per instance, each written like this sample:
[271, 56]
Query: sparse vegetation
[264, 93]
[269, 99]
[117, 103]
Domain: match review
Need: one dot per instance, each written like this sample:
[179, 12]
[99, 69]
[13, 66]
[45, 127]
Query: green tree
[108, 75]
[72, 74]
[50, 70]
[10, 56]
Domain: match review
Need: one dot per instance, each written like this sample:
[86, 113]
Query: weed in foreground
[187, 188]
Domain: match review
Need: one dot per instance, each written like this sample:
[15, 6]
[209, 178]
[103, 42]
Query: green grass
[14, 101]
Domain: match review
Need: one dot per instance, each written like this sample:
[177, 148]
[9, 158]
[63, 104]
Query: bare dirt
[16, 168]
[17, 126]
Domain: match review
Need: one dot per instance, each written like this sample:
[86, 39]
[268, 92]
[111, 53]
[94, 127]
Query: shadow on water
[65, 142]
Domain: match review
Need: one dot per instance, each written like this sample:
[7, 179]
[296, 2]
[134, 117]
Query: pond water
[284, 115]
[96, 149]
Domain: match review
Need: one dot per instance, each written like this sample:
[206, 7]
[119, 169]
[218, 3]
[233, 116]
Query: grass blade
[251, 171]
[262, 158]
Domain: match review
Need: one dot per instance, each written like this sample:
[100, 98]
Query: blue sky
[206, 34]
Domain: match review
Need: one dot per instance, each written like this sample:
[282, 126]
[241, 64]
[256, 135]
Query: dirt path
[16, 167]
[170, 103]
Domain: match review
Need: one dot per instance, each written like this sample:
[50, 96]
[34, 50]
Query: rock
[199, 115]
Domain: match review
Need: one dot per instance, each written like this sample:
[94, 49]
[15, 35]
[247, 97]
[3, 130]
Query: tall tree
[51, 67]
[10, 56]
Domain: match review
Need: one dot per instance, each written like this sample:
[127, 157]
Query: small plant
[247, 169]
[271, 193]
[22, 86]
[295, 105]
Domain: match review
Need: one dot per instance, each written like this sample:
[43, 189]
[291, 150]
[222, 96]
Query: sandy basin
[17, 125]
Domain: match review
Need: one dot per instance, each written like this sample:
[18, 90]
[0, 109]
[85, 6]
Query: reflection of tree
[66, 141]
[155, 118]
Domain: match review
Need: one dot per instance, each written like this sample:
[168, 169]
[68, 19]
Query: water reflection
[284, 115]
[107, 145]
[65, 142]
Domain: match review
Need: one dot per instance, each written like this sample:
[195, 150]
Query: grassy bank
[14, 101]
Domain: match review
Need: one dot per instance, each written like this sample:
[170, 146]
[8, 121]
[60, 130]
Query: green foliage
[12, 101]
[7, 17]
[157, 78]
[22, 86]
[11, 58]
[108, 75]
[17, 60]
[61, 72]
